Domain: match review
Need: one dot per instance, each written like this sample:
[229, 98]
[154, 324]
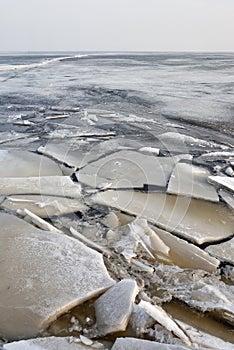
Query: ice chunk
[172, 140]
[223, 251]
[43, 275]
[187, 255]
[152, 150]
[44, 206]
[164, 319]
[149, 237]
[190, 180]
[120, 169]
[204, 340]
[223, 181]
[15, 163]
[46, 185]
[216, 156]
[50, 343]
[114, 307]
[194, 219]
[140, 344]
[227, 197]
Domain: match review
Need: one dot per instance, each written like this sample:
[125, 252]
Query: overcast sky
[116, 25]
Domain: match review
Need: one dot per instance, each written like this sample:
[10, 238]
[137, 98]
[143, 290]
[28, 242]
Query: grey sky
[138, 25]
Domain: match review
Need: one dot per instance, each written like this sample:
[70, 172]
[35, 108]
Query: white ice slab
[197, 220]
[43, 275]
[228, 197]
[192, 181]
[43, 206]
[223, 182]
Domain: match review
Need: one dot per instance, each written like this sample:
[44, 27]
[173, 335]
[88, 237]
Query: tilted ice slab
[223, 181]
[14, 163]
[161, 316]
[192, 181]
[194, 219]
[129, 169]
[227, 197]
[113, 309]
[178, 141]
[214, 156]
[43, 206]
[62, 131]
[223, 251]
[47, 185]
[161, 244]
[50, 343]
[204, 340]
[185, 254]
[140, 344]
[43, 275]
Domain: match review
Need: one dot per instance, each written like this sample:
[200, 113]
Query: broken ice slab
[223, 182]
[49, 343]
[227, 197]
[8, 136]
[140, 344]
[47, 185]
[129, 169]
[113, 309]
[204, 340]
[223, 251]
[43, 275]
[187, 255]
[176, 141]
[216, 156]
[161, 316]
[192, 181]
[43, 206]
[15, 163]
[62, 131]
[194, 219]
